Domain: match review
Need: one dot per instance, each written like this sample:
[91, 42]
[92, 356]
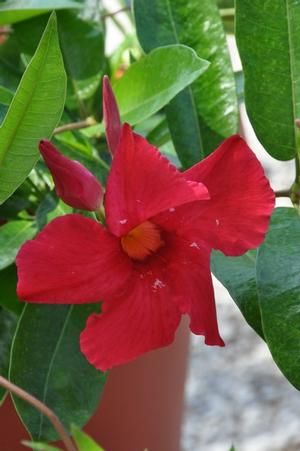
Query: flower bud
[74, 184]
[111, 116]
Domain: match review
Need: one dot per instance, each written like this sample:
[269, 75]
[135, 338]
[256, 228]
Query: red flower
[151, 263]
[77, 186]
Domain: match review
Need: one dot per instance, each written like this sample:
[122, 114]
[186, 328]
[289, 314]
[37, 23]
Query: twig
[228, 12]
[282, 193]
[75, 125]
[121, 10]
[70, 446]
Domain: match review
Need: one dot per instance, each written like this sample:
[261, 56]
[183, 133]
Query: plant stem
[121, 10]
[75, 125]
[282, 193]
[70, 446]
[228, 12]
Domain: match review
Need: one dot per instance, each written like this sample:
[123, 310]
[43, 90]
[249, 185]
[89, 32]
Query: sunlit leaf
[84, 441]
[12, 11]
[206, 112]
[150, 83]
[278, 279]
[34, 112]
[271, 66]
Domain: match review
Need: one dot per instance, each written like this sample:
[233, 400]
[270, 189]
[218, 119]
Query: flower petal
[73, 260]
[74, 184]
[143, 183]
[188, 273]
[237, 216]
[142, 320]
[111, 116]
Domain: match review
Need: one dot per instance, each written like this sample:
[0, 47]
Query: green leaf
[8, 296]
[51, 207]
[34, 112]
[271, 66]
[238, 275]
[12, 235]
[13, 11]
[8, 323]
[150, 83]
[12, 207]
[278, 279]
[84, 441]
[39, 446]
[46, 361]
[6, 95]
[206, 112]
[80, 40]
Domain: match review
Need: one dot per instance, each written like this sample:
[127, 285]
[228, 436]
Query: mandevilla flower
[150, 263]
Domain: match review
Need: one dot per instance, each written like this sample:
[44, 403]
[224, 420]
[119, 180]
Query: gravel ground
[236, 395]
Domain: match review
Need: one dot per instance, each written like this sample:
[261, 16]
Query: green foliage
[47, 362]
[205, 113]
[13, 11]
[271, 66]
[152, 82]
[6, 95]
[80, 40]
[8, 295]
[83, 441]
[7, 327]
[33, 113]
[238, 275]
[12, 236]
[39, 446]
[278, 278]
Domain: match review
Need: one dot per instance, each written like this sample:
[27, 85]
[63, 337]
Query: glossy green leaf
[8, 296]
[271, 65]
[150, 83]
[34, 112]
[278, 279]
[12, 235]
[84, 441]
[238, 275]
[8, 323]
[39, 446]
[12, 11]
[47, 362]
[206, 112]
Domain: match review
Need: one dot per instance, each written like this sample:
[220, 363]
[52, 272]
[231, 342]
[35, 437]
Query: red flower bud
[74, 184]
[111, 116]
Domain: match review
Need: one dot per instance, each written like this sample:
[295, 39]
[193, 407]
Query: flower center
[142, 241]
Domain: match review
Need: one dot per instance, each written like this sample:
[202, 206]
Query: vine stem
[282, 193]
[69, 444]
[75, 125]
[121, 10]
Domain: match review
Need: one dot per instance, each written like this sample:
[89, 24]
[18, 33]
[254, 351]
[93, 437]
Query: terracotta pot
[141, 406]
